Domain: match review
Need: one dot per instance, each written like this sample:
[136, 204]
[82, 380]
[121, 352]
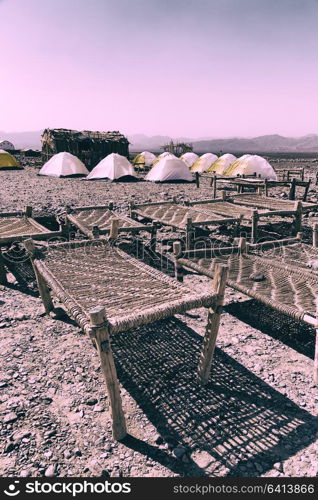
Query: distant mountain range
[139, 142]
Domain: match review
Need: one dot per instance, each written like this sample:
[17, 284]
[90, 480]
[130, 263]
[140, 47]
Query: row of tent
[227, 164]
[165, 167]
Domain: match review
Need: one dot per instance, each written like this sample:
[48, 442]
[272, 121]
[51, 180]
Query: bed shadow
[236, 425]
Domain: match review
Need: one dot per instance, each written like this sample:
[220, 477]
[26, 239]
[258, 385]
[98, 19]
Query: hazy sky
[197, 68]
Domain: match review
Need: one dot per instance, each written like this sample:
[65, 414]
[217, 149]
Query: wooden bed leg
[292, 191]
[42, 286]
[197, 179]
[3, 273]
[189, 233]
[298, 217]
[242, 245]
[114, 225]
[214, 314]
[178, 268]
[254, 234]
[214, 186]
[28, 211]
[95, 232]
[99, 322]
[306, 190]
[153, 236]
[315, 235]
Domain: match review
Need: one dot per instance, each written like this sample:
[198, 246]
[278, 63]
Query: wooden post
[254, 226]
[100, 324]
[302, 174]
[153, 237]
[197, 179]
[266, 187]
[114, 225]
[177, 267]
[315, 235]
[288, 173]
[95, 232]
[292, 191]
[28, 211]
[223, 195]
[306, 190]
[3, 273]
[211, 181]
[189, 233]
[42, 286]
[214, 186]
[242, 245]
[214, 314]
[316, 348]
[298, 217]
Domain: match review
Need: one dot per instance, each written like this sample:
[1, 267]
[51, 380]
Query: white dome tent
[222, 164]
[168, 170]
[64, 165]
[203, 163]
[250, 165]
[189, 158]
[6, 145]
[166, 154]
[113, 167]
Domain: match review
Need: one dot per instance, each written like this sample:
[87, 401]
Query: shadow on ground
[236, 425]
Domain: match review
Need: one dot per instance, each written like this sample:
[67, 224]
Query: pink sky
[196, 68]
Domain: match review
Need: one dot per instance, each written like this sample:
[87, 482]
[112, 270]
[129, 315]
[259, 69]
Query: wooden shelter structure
[90, 147]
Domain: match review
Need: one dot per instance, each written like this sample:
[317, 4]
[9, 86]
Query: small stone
[9, 447]
[179, 451]
[91, 401]
[77, 452]
[257, 276]
[313, 264]
[158, 439]
[67, 454]
[10, 418]
[98, 408]
[50, 471]
[279, 466]
[25, 473]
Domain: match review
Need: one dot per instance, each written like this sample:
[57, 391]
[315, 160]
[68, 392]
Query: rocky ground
[256, 417]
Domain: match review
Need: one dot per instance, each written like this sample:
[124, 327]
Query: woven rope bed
[225, 207]
[86, 218]
[295, 254]
[106, 291]
[259, 201]
[16, 226]
[181, 217]
[289, 289]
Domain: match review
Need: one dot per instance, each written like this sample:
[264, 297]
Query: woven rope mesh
[95, 275]
[269, 203]
[226, 209]
[177, 215]
[16, 226]
[102, 218]
[293, 293]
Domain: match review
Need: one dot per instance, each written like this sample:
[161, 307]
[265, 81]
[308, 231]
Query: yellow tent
[222, 164]
[7, 160]
[144, 159]
[250, 165]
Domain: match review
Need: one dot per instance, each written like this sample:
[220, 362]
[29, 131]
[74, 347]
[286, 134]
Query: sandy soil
[256, 417]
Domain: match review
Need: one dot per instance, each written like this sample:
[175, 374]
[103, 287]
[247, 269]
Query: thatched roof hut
[90, 147]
